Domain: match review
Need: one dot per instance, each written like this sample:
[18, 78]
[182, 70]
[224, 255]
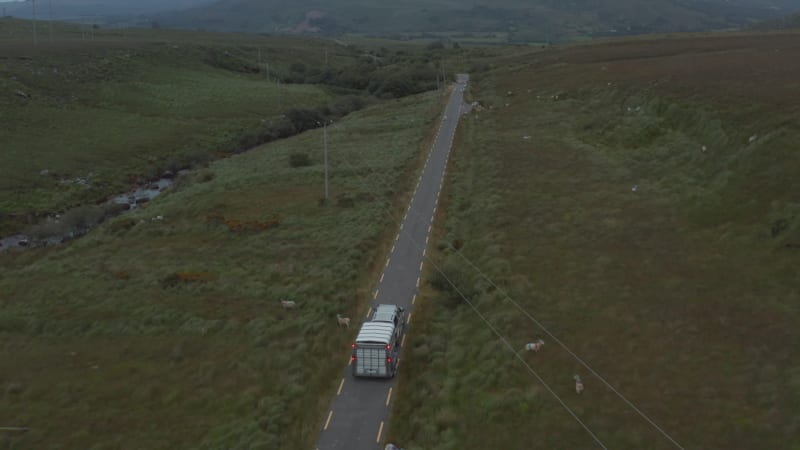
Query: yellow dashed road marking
[380, 431]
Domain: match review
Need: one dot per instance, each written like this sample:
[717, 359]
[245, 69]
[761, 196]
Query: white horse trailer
[376, 348]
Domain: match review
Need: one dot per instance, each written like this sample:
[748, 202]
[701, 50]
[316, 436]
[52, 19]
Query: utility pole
[50, 4]
[35, 39]
[325, 144]
[278, 84]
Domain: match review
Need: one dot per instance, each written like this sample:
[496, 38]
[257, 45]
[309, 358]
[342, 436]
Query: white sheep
[288, 304]
[534, 346]
[578, 384]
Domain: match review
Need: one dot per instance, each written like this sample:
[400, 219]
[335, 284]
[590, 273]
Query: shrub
[299, 160]
[205, 176]
[304, 119]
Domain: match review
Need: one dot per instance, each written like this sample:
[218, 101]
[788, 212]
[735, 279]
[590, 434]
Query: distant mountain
[521, 19]
[783, 23]
[96, 9]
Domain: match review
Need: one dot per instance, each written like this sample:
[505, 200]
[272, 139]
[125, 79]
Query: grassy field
[164, 334]
[123, 105]
[683, 292]
[518, 21]
[114, 108]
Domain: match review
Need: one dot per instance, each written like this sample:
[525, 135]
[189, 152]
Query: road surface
[359, 413]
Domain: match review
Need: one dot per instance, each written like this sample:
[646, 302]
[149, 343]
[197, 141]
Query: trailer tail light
[353, 358]
[388, 360]
[354, 345]
[388, 347]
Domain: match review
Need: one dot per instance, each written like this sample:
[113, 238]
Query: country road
[359, 413]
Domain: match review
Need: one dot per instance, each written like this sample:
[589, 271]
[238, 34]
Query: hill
[123, 106]
[783, 23]
[637, 198]
[161, 328]
[95, 10]
[540, 20]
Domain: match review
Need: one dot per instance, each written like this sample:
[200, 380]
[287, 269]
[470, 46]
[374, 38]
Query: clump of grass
[299, 160]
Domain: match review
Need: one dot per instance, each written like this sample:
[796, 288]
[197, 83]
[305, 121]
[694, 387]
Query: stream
[130, 200]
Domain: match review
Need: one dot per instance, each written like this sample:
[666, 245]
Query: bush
[304, 119]
[299, 160]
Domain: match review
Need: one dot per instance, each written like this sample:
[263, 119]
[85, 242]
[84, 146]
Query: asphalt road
[359, 413]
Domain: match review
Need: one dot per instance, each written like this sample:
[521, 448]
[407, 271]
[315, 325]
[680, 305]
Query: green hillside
[539, 20]
[168, 334]
[639, 199]
[110, 108]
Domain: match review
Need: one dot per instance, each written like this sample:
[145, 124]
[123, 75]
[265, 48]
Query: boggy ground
[640, 199]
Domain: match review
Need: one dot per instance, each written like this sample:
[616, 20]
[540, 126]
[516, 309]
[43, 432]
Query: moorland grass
[682, 293]
[169, 333]
[126, 105]
[113, 110]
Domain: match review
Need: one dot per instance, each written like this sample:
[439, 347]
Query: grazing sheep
[534, 346]
[578, 384]
[288, 304]
[343, 321]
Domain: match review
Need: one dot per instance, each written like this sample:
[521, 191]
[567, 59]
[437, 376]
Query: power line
[558, 341]
[568, 350]
[510, 347]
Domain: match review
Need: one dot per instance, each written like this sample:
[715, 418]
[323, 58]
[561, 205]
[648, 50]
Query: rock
[168, 175]
[142, 200]
[19, 93]
[44, 173]
[13, 388]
